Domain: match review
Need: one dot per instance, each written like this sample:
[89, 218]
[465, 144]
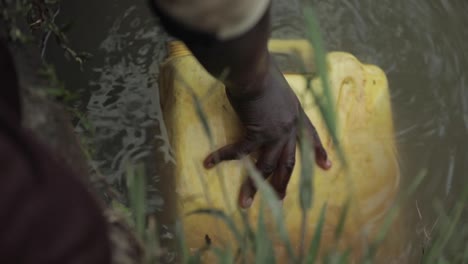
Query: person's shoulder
[13, 159]
[47, 211]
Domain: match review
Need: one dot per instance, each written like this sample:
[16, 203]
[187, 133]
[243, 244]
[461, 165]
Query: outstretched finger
[230, 152]
[266, 165]
[321, 156]
[283, 172]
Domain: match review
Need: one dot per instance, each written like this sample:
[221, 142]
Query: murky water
[420, 44]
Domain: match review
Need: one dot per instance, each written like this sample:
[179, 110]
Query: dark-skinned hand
[271, 120]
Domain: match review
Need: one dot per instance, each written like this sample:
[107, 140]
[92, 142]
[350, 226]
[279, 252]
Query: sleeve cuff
[224, 18]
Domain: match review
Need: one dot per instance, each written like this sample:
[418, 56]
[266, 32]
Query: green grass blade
[315, 243]
[325, 101]
[414, 185]
[465, 255]
[448, 225]
[263, 247]
[453, 221]
[271, 199]
[337, 257]
[183, 249]
[219, 214]
[195, 259]
[248, 228]
[153, 247]
[224, 256]
[391, 215]
[136, 184]
[344, 259]
[249, 237]
[209, 134]
[306, 174]
[305, 185]
[341, 221]
[393, 211]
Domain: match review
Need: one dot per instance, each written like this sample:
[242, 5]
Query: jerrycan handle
[287, 47]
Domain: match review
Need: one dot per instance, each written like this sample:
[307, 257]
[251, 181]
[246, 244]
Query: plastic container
[365, 129]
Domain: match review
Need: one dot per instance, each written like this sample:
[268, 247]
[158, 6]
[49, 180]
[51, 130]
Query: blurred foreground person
[47, 214]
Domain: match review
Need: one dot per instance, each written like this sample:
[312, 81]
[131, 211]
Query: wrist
[251, 83]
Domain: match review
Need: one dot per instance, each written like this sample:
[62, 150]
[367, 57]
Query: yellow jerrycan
[368, 184]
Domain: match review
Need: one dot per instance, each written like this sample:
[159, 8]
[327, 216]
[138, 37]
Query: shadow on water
[420, 44]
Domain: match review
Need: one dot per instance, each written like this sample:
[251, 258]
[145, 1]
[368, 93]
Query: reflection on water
[121, 87]
[420, 44]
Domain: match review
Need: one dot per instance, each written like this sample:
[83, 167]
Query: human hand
[271, 118]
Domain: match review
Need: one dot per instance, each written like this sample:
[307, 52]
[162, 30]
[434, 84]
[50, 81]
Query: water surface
[420, 44]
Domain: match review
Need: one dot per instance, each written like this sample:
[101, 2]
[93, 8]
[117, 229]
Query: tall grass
[258, 243]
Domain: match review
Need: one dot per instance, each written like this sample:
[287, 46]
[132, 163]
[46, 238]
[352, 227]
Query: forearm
[241, 60]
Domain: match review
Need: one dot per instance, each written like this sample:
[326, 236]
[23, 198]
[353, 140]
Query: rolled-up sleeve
[224, 18]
